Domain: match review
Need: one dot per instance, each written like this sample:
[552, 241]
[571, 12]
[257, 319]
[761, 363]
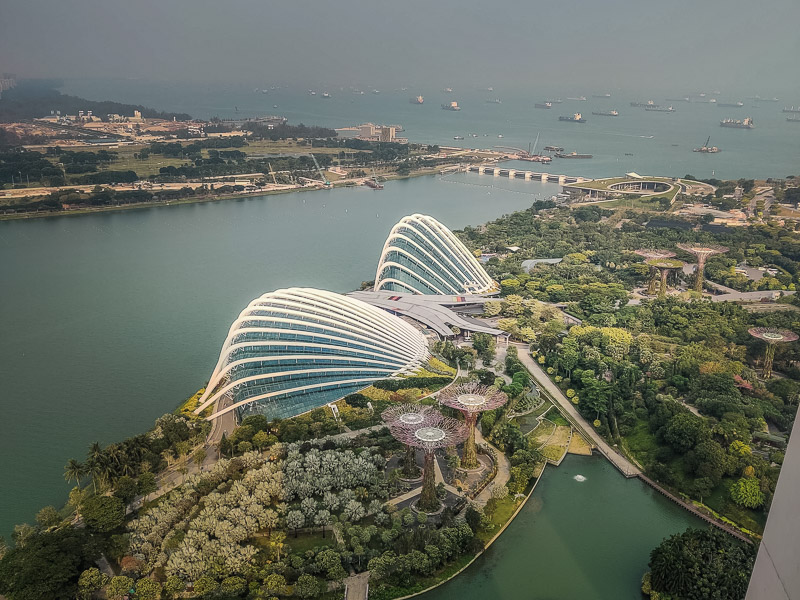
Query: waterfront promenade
[625, 466]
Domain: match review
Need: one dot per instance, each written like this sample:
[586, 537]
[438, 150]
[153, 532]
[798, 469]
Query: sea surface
[648, 143]
[110, 320]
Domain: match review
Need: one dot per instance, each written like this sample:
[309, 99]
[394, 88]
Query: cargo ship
[601, 95]
[578, 98]
[730, 104]
[553, 149]
[451, 106]
[737, 124]
[543, 105]
[793, 119]
[791, 109]
[643, 104]
[417, 100]
[656, 108]
[554, 100]
[684, 99]
[706, 149]
[606, 113]
[576, 118]
[494, 101]
[572, 155]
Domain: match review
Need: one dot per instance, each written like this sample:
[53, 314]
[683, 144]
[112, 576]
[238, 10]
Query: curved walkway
[626, 467]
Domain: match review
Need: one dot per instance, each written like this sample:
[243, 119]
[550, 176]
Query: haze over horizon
[682, 46]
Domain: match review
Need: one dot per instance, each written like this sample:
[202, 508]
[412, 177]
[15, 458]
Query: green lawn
[557, 418]
[720, 501]
[641, 444]
[502, 513]
[304, 541]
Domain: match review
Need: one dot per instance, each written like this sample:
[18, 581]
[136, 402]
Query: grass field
[304, 541]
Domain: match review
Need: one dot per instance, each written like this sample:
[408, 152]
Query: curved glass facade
[422, 256]
[296, 349]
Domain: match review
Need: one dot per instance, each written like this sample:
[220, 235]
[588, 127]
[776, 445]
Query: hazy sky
[607, 44]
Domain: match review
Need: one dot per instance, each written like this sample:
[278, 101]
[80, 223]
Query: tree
[307, 586]
[199, 457]
[47, 517]
[262, 439]
[74, 471]
[275, 584]
[747, 492]
[295, 520]
[119, 587]
[147, 589]
[322, 519]
[126, 489]
[174, 585]
[146, 484]
[47, 566]
[236, 586]
[90, 581]
[205, 585]
[103, 513]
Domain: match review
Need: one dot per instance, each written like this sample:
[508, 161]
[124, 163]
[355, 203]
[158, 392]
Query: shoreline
[191, 200]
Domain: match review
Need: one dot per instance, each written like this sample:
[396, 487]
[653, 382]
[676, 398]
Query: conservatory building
[422, 256]
[296, 349]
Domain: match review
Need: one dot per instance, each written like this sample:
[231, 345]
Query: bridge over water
[526, 175]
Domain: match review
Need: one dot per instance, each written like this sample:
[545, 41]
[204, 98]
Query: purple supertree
[664, 266]
[649, 254]
[437, 431]
[408, 414]
[471, 399]
[702, 252]
[772, 337]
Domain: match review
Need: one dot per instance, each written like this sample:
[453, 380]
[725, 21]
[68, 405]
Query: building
[422, 256]
[296, 349]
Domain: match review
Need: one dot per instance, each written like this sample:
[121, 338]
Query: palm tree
[74, 470]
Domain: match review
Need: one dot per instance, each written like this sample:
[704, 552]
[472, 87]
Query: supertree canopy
[408, 414]
[702, 252]
[772, 337]
[434, 432]
[650, 254]
[664, 266]
[471, 399]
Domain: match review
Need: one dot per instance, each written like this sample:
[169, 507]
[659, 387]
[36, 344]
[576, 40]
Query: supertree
[650, 254]
[436, 432]
[772, 337]
[664, 266]
[471, 399]
[408, 414]
[702, 252]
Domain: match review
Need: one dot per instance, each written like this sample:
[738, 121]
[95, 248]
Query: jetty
[523, 174]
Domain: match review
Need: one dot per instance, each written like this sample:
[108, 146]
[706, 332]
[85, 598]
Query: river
[574, 539]
[110, 320]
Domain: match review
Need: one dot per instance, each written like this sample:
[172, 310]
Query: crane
[325, 182]
[271, 172]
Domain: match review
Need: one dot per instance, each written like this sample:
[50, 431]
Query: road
[543, 381]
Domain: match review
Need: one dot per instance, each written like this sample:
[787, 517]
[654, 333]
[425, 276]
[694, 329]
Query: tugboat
[417, 100]
[576, 118]
[572, 155]
[543, 105]
[737, 124]
[451, 106]
[706, 149]
[606, 113]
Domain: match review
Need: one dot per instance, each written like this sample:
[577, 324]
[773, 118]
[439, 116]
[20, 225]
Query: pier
[525, 175]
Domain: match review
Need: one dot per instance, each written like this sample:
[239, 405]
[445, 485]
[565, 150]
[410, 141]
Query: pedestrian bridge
[524, 174]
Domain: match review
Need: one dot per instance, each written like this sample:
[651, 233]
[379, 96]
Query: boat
[576, 118]
[606, 113]
[553, 149]
[543, 105]
[791, 109]
[760, 99]
[458, 137]
[417, 100]
[737, 124]
[451, 106]
[656, 108]
[643, 104]
[312, 92]
[376, 92]
[326, 95]
[500, 135]
[601, 95]
[730, 104]
[572, 155]
[448, 90]
[490, 89]
[494, 101]
[706, 149]
[578, 98]
[629, 154]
